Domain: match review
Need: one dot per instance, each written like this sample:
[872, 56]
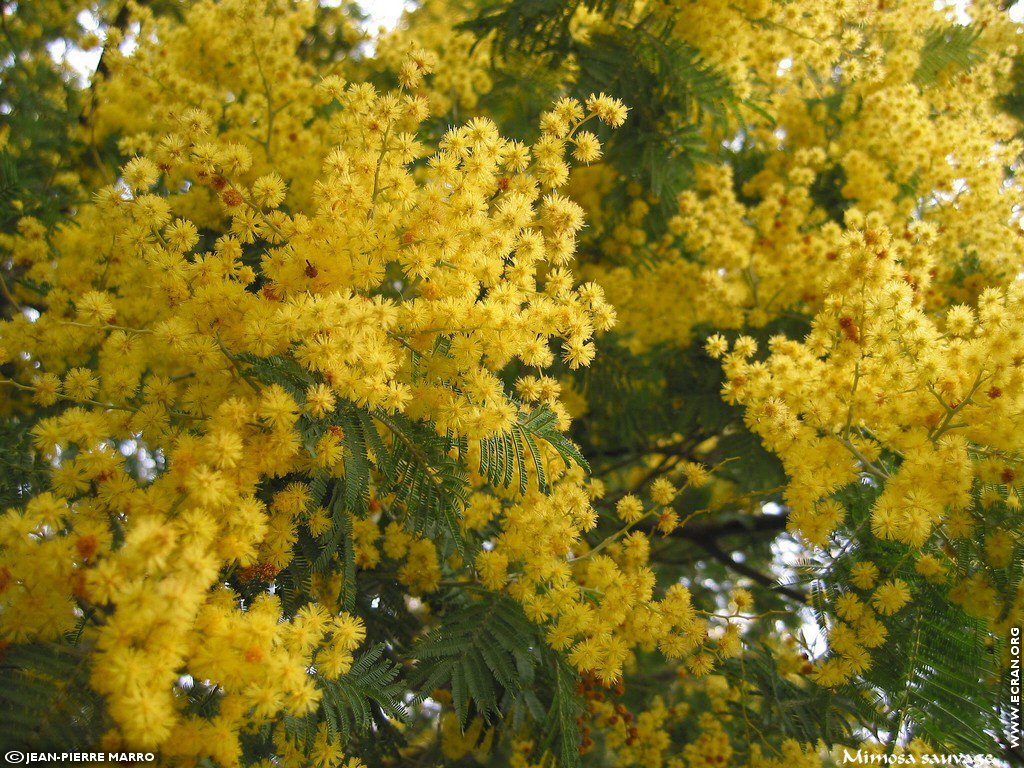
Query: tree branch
[712, 531]
[706, 535]
[753, 574]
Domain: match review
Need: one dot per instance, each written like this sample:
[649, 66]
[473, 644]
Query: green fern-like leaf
[295, 583]
[516, 452]
[481, 653]
[935, 680]
[701, 88]
[278, 370]
[803, 711]
[336, 540]
[426, 480]
[561, 722]
[934, 677]
[22, 471]
[301, 730]
[948, 49]
[45, 699]
[537, 27]
[371, 690]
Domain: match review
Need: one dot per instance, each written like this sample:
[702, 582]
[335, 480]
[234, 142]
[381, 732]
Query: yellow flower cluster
[919, 407]
[743, 255]
[650, 737]
[317, 261]
[875, 202]
[271, 218]
[464, 73]
[599, 604]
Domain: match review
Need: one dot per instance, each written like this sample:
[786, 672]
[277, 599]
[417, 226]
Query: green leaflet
[504, 455]
[561, 721]
[948, 49]
[371, 690]
[427, 481]
[775, 703]
[279, 370]
[45, 699]
[483, 652]
[480, 652]
[934, 677]
[22, 472]
[496, 665]
[662, 139]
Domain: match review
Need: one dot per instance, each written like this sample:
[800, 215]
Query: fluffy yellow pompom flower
[630, 508]
[889, 597]
[864, 574]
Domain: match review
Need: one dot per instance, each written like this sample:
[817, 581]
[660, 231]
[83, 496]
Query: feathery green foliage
[366, 696]
[44, 699]
[505, 456]
[485, 653]
[948, 50]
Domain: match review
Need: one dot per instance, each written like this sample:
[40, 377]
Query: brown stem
[712, 548]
